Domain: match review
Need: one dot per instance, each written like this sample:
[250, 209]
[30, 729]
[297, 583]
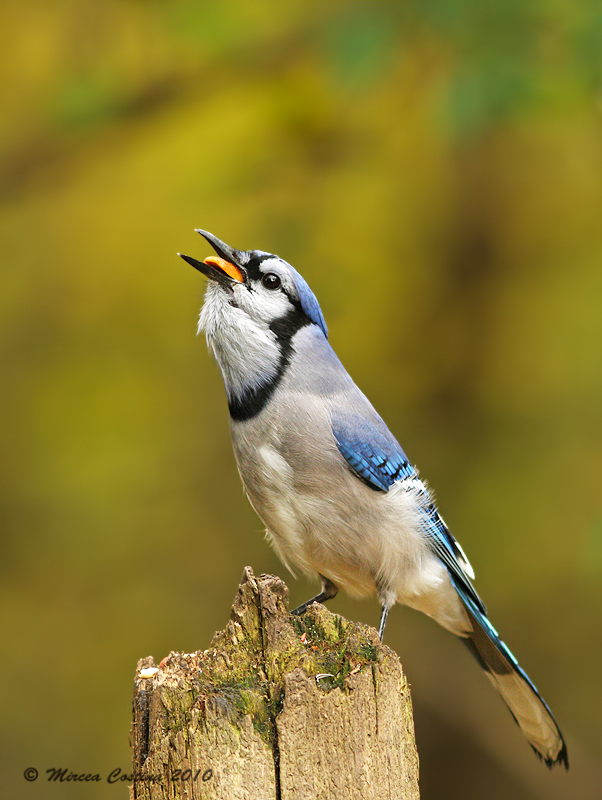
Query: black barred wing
[375, 456]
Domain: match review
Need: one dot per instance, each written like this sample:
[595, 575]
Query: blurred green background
[434, 169]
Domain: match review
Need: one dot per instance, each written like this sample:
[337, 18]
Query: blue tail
[526, 705]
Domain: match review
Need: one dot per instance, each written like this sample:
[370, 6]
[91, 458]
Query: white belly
[365, 542]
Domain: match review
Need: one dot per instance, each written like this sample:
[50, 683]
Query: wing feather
[374, 455]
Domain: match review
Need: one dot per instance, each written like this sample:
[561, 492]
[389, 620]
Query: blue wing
[375, 456]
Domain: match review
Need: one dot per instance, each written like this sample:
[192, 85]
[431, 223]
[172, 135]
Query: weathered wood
[278, 708]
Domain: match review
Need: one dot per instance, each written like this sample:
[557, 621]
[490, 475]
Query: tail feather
[526, 705]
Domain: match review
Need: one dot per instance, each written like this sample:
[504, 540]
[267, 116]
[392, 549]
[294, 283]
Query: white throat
[246, 350]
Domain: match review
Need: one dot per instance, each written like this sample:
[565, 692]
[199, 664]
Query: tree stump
[279, 707]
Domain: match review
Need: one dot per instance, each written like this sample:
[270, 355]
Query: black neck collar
[254, 400]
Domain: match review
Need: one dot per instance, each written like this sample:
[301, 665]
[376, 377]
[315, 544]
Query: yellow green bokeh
[434, 170]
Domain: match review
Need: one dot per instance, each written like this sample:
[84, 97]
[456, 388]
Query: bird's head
[254, 305]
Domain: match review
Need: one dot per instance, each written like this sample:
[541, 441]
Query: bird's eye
[271, 281]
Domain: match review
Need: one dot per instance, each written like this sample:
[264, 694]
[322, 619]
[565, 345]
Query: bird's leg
[329, 591]
[383, 620]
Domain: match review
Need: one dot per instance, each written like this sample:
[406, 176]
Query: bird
[338, 496]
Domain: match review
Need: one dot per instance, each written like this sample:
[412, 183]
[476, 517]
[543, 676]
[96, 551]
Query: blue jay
[337, 493]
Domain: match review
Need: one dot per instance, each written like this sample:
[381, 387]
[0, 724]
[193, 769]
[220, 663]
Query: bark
[278, 708]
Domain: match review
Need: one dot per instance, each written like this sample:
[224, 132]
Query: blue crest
[308, 301]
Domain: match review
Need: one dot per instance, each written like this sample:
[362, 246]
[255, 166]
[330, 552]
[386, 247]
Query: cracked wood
[278, 708]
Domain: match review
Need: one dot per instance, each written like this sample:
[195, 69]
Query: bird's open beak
[226, 268]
